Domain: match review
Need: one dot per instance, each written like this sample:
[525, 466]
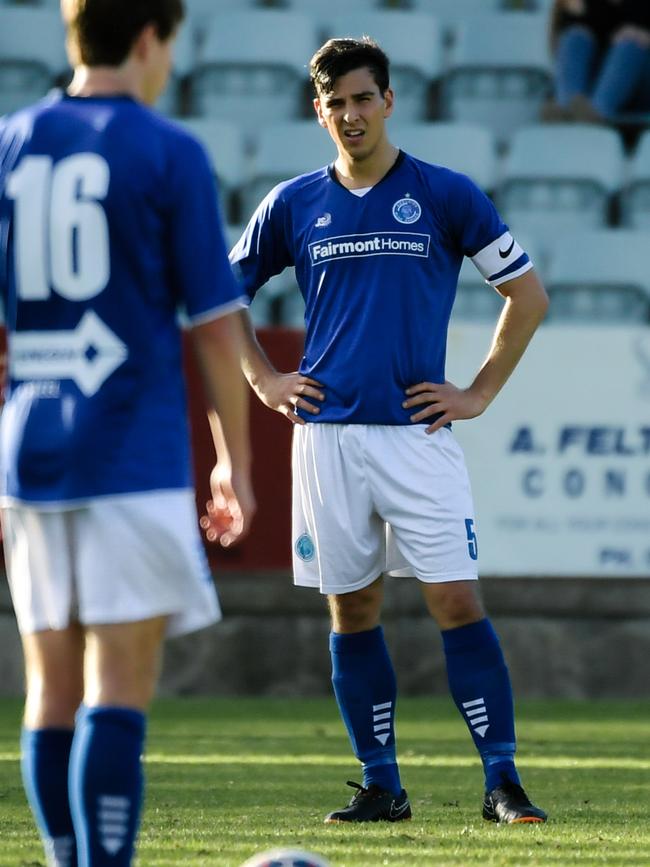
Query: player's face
[354, 113]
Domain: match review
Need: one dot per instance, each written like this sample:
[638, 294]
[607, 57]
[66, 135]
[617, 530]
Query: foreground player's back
[114, 227]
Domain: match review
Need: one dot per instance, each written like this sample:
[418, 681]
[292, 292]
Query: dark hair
[101, 32]
[340, 56]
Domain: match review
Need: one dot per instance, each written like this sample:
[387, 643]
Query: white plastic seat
[251, 66]
[292, 308]
[414, 46]
[465, 148]
[451, 12]
[200, 11]
[599, 276]
[499, 71]
[476, 299]
[635, 198]
[226, 144]
[564, 173]
[171, 101]
[275, 303]
[283, 151]
[32, 55]
[322, 11]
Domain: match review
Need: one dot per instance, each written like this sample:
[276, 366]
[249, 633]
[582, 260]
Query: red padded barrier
[269, 544]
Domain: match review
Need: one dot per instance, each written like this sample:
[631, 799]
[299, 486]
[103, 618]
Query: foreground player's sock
[45, 755]
[106, 784]
[365, 689]
[480, 686]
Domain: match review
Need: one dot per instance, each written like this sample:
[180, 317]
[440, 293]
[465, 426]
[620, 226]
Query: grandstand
[470, 78]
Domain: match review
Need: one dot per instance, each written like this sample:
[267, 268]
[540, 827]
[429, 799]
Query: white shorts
[369, 499]
[113, 560]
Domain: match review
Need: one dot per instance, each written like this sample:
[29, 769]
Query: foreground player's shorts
[369, 499]
[114, 560]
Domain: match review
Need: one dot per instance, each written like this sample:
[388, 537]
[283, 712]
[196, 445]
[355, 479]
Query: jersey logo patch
[305, 547]
[505, 253]
[323, 221]
[407, 210]
[87, 354]
[369, 244]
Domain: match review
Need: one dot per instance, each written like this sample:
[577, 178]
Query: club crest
[407, 210]
[305, 547]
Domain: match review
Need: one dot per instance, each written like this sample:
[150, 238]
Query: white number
[29, 186]
[61, 238]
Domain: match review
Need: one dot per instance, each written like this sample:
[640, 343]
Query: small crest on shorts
[305, 547]
[407, 210]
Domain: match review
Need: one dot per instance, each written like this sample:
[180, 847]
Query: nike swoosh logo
[397, 811]
[505, 253]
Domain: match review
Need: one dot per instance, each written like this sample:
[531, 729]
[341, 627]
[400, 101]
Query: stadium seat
[599, 276]
[499, 72]
[322, 11]
[279, 301]
[635, 197]
[414, 45]
[40, 4]
[477, 300]
[462, 147]
[451, 12]
[563, 173]
[32, 55]
[172, 100]
[251, 66]
[282, 151]
[292, 308]
[200, 11]
[225, 142]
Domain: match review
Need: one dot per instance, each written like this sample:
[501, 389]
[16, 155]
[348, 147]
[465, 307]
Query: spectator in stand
[601, 50]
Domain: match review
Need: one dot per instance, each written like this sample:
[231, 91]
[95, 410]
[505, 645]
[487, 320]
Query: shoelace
[361, 789]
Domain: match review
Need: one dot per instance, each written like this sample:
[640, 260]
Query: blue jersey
[378, 274]
[109, 226]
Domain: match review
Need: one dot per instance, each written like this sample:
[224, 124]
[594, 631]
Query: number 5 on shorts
[472, 542]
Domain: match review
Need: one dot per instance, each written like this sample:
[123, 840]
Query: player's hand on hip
[443, 399]
[230, 511]
[286, 392]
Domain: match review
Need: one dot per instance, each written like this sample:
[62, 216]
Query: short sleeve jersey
[378, 274]
[109, 226]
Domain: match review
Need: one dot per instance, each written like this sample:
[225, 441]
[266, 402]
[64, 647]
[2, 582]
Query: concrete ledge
[566, 638]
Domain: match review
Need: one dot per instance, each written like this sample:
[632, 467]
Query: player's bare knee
[357, 611]
[454, 604]
[53, 705]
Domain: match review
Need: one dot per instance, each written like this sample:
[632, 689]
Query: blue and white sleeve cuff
[502, 260]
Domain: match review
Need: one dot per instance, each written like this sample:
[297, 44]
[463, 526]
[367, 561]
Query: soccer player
[379, 483]
[108, 226]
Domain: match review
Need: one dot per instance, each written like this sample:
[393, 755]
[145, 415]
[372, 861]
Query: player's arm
[218, 344]
[525, 307]
[283, 392]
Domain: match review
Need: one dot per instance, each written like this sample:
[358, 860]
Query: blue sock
[365, 689]
[480, 686]
[106, 784]
[45, 755]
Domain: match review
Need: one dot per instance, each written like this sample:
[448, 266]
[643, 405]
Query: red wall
[269, 544]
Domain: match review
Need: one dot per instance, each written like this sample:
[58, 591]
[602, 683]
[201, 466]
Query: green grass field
[227, 778]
